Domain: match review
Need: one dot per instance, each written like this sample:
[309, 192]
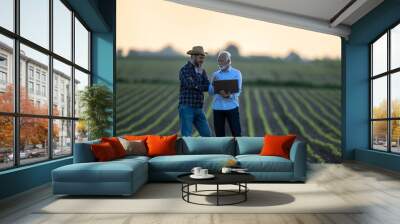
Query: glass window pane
[395, 136]
[81, 45]
[62, 29]
[81, 131]
[7, 14]
[395, 47]
[395, 94]
[33, 139]
[379, 97]
[379, 135]
[6, 142]
[6, 74]
[34, 96]
[379, 56]
[81, 81]
[62, 89]
[62, 138]
[35, 21]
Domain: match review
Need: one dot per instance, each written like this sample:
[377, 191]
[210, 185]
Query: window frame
[16, 114]
[388, 74]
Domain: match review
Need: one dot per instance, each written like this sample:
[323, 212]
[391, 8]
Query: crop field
[279, 97]
[313, 114]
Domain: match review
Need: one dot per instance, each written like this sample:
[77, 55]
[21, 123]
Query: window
[37, 89]
[7, 14]
[81, 45]
[35, 21]
[62, 137]
[44, 91]
[3, 78]
[6, 142]
[37, 75]
[385, 94]
[30, 72]
[62, 29]
[30, 87]
[3, 72]
[81, 82]
[6, 74]
[61, 75]
[3, 61]
[44, 111]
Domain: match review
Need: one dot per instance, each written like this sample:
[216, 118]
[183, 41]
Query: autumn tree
[33, 131]
[380, 127]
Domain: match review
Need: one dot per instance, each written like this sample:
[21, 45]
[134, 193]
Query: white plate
[208, 176]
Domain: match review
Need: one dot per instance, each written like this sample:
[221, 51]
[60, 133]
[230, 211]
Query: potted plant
[96, 103]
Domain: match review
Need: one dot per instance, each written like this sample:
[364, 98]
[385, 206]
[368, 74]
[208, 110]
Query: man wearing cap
[193, 83]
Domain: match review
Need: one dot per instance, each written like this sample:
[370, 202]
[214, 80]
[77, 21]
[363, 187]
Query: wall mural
[288, 94]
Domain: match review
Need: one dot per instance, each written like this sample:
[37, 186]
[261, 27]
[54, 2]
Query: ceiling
[326, 16]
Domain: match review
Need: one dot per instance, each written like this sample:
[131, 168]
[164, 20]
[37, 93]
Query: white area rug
[166, 198]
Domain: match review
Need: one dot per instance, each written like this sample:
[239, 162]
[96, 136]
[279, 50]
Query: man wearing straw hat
[193, 83]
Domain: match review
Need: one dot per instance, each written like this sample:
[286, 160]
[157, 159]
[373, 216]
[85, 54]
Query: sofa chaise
[125, 176]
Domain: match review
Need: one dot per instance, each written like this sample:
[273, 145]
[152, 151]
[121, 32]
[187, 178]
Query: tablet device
[230, 85]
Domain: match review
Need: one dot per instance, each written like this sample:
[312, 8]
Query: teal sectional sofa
[125, 176]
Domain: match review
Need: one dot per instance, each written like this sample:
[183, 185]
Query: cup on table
[203, 172]
[196, 171]
[226, 170]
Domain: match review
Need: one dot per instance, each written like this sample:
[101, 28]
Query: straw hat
[197, 50]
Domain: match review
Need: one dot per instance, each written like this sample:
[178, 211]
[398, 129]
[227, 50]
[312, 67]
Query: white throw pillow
[135, 147]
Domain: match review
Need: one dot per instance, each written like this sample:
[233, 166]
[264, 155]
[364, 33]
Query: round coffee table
[238, 179]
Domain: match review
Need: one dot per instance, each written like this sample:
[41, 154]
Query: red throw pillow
[161, 145]
[116, 145]
[103, 151]
[277, 145]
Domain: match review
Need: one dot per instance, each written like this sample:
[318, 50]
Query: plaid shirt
[192, 86]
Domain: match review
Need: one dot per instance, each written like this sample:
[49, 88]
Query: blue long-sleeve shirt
[192, 86]
[219, 102]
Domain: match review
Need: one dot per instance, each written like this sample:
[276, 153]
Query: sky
[153, 24]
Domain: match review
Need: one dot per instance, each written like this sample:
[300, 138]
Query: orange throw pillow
[116, 145]
[161, 145]
[135, 137]
[277, 145]
[103, 151]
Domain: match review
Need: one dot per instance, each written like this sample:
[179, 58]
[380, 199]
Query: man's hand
[224, 94]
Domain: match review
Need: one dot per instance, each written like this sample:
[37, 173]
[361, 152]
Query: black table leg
[245, 193]
[188, 190]
[195, 188]
[217, 194]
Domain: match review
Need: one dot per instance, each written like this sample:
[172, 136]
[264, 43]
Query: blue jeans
[189, 116]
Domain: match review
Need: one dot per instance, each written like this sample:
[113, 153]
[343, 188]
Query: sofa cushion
[134, 147]
[277, 145]
[208, 145]
[133, 158]
[249, 145]
[161, 145]
[116, 145]
[103, 152]
[83, 152]
[257, 163]
[185, 163]
[111, 171]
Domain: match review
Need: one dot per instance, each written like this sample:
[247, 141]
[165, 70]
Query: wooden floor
[379, 189]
